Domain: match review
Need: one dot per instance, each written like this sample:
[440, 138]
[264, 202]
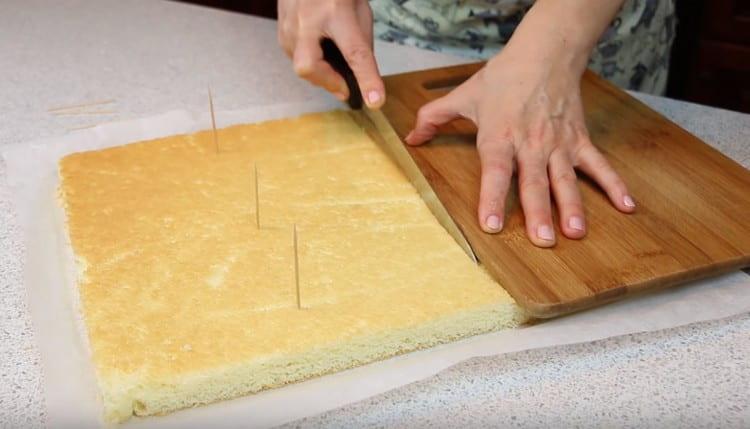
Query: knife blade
[377, 127]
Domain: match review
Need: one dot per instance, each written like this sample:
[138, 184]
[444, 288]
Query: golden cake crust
[186, 301]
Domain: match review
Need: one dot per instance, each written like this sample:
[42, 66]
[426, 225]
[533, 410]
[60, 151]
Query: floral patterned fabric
[633, 52]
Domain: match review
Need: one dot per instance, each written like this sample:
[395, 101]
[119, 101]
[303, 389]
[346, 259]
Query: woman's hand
[528, 109]
[526, 104]
[304, 23]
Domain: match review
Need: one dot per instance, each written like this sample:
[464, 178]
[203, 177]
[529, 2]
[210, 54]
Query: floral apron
[633, 52]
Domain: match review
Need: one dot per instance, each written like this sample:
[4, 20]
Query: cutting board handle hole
[444, 84]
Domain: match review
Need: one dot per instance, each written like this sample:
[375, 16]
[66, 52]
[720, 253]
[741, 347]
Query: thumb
[431, 116]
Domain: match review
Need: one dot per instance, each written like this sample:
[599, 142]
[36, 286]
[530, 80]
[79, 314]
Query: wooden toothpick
[257, 204]
[82, 127]
[213, 119]
[80, 106]
[296, 269]
[83, 112]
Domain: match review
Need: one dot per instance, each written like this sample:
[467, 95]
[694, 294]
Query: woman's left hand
[528, 110]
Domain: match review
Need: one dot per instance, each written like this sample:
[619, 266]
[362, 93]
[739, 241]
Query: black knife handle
[332, 54]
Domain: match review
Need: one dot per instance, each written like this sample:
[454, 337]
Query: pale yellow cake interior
[186, 301]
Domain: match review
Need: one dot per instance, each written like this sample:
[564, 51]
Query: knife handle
[332, 54]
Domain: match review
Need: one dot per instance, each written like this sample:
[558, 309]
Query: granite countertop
[153, 56]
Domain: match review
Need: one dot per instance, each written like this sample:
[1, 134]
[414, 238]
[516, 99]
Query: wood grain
[692, 221]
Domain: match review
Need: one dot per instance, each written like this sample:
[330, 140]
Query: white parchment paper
[70, 389]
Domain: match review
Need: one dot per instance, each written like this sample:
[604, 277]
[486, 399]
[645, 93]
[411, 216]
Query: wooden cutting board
[692, 220]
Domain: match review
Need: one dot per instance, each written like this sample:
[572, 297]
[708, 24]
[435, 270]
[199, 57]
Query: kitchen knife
[333, 56]
[376, 125]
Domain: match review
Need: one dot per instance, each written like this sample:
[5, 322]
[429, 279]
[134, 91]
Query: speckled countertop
[153, 56]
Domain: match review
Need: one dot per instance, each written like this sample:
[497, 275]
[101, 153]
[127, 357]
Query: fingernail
[628, 201]
[576, 222]
[373, 97]
[492, 223]
[545, 233]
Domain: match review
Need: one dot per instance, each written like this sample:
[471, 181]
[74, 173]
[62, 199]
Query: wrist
[545, 60]
[553, 48]
[561, 34]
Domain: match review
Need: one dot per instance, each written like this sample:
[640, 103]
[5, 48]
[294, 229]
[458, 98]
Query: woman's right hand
[304, 23]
